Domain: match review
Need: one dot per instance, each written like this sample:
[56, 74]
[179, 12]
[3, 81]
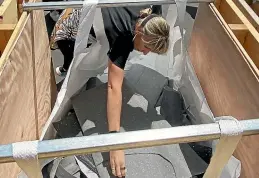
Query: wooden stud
[234, 39]
[247, 23]
[237, 27]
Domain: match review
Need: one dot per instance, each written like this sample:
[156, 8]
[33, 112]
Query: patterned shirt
[66, 27]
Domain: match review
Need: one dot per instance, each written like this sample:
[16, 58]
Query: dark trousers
[67, 49]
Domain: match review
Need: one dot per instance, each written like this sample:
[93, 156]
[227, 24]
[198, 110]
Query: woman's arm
[114, 99]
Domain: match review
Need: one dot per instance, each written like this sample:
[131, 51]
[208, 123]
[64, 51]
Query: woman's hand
[117, 161]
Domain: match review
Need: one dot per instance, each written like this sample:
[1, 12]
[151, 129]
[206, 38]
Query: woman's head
[152, 33]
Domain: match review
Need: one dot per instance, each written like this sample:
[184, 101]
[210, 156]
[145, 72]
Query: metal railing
[128, 140]
[101, 3]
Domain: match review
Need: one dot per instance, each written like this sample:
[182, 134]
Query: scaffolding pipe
[128, 140]
[29, 6]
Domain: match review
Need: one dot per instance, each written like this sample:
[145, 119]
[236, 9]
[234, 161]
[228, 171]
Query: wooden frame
[8, 20]
[241, 18]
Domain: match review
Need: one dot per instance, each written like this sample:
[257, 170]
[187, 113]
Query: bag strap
[26, 156]
[231, 133]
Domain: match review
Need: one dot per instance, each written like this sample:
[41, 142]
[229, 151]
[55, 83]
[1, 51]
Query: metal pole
[102, 3]
[128, 140]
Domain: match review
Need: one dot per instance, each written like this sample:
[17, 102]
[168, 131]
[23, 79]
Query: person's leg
[69, 54]
[67, 49]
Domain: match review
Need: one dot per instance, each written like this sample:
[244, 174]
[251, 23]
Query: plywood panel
[255, 7]
[240, 31]
[6, 31]
[217, 3]
[41, 39]
[241, 35]
[228, 14]
[227, 80]
[18, 121]
[17, 114]
[4, 38]
[16, 89]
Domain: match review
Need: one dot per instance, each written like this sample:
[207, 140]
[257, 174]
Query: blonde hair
[155, 32]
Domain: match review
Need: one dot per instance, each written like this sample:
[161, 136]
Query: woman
[126, 28]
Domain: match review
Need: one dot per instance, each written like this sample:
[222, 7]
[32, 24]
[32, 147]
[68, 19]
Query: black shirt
[119, 24]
